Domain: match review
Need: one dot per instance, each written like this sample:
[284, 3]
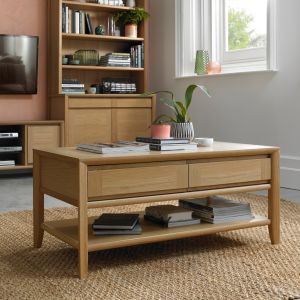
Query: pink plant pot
[214, 67]
[131, 30]
[160, 131]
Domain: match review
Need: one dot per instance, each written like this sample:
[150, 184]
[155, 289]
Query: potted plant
[131, 19]
[181, 122]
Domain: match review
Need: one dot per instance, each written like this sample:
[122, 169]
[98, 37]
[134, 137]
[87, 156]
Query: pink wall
[28, 17]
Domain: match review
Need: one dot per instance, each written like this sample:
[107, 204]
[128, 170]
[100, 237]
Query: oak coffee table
[88, 180]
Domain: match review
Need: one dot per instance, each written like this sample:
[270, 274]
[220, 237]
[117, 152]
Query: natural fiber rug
[235, 265]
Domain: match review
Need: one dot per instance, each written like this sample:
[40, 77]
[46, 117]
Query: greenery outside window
[240, 34]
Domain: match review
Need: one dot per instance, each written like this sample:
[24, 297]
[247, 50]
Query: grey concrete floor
[16, 194]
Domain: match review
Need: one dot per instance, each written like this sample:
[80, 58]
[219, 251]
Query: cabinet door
[128, 123]
[42, 136]
[88, 126]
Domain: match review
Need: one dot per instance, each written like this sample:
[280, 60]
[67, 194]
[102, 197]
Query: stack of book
[72, 86]
[171, 144]
[117, 224]
[170, 216]
[114, 148]
[137, 56]
[74, 21]
[218, 210]
[115, 60]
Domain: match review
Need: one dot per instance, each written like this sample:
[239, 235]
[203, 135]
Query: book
[88, 24]
[173, 147]
[10, 149]
[192, 221]
[169, 213]
[137, 229]
[116, 221]
[161, 141]
[7, 163]
[112, 148]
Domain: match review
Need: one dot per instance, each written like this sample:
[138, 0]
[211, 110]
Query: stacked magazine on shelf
[217, 210]
[170, 144]
[170, 215]
[114, 148]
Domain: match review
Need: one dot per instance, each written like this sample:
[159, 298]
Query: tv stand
[31, 134]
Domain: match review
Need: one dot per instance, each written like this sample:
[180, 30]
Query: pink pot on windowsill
[160, 131]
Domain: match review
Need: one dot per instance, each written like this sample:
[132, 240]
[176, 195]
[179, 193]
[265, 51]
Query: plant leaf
[183, 110]
[189, 93]
[170, 119]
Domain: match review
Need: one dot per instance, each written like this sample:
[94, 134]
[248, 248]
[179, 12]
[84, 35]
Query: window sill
[224, 73]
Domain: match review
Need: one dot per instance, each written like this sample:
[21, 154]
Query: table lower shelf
[67, 231]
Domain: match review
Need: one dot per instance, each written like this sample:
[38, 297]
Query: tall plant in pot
[181, 121]
[131, 19]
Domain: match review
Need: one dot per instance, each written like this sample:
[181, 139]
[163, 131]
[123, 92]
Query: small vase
[130, 3]
[183, 130]
[131, 30]
[202, 59]
[160, 131]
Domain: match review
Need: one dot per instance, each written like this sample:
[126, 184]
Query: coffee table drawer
[134, 180]
[227, 172]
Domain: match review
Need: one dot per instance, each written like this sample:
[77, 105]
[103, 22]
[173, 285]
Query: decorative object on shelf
[202, 59]
[161, 131]
[214, 67]
[87, 57]
[111, 24]
[65, 60]
[117, 31]
[131, 19]
[92, 90]
[100, 30]
[183, 130]
[118, 86]
[130, 3]
[204, 142]
[181, 125]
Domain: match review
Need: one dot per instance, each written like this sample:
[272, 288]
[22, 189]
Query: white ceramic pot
[183, 130]
[130, 3]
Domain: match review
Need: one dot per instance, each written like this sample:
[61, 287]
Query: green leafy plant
[179, 108]
[133, 16]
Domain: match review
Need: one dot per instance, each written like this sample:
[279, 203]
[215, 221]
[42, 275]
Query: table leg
[38, 204]
[274, 200]
[83, 222]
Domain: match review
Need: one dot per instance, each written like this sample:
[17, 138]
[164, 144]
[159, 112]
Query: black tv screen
[18, 64]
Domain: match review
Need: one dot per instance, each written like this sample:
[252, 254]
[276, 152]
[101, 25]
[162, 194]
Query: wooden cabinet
[31, 135]
[103, 118]
[42, 136]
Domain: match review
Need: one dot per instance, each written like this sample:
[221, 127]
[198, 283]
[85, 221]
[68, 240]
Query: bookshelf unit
[67, 43]
[100, 117]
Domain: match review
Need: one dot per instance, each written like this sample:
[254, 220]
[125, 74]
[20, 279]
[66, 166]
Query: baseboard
[290, 172]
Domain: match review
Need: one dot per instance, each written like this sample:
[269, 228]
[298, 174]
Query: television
[18, 64]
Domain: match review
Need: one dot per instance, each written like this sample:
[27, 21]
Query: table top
[217, 150]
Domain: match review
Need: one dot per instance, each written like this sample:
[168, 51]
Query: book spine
[70, 21]
[139, 56]
[64, 18]
[143, 55]
[67, 19]
[77, 22]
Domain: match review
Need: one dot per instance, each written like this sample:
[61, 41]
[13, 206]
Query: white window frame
[209, 18]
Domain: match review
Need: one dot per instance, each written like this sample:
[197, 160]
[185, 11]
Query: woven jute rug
[234, 265]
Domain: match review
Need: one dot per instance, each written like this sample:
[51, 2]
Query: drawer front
[229, 172]
[137, 180]
[89, 103]
[134, 102]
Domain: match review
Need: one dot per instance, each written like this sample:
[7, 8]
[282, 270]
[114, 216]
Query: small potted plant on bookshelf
[181, 124]
[131, 19]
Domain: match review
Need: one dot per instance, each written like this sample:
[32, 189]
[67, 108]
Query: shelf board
[94, 37]
[67, 231]
[94, 6]
[17, 167]
[99, 68]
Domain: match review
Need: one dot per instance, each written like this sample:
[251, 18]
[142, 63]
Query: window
[240, 34]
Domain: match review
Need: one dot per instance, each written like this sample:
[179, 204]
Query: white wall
[258, 108]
